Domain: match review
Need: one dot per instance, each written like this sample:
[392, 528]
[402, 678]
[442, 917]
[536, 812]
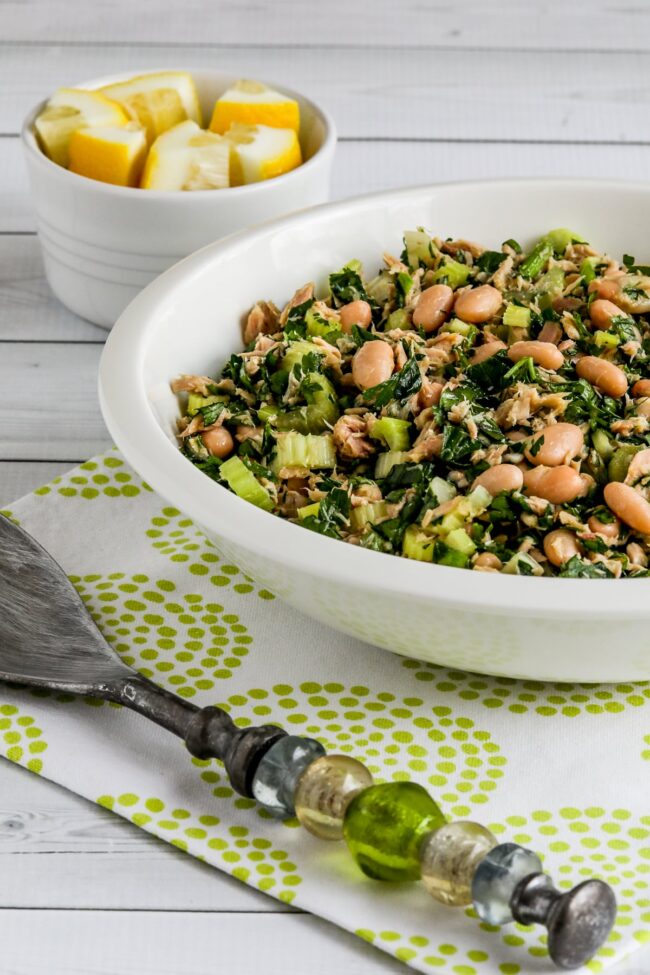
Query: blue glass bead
[496, 877]
[276, 778]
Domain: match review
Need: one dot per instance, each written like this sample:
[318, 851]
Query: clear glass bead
[324, 792]
[449, 857]
[384, 826]
[496, 877]
[274, 783]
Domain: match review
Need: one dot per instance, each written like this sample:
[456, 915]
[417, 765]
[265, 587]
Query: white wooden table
[422, 90]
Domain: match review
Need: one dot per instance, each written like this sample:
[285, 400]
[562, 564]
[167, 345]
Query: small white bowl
[189, 321]
[102, 244]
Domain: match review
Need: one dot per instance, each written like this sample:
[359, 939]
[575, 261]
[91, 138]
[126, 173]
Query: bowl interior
[190, 320]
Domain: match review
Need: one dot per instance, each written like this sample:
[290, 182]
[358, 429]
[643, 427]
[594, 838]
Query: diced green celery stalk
[516, 317]
[460, 541]
[297, 352]
[386, 462]
[450, 522]
[552, 282]
[458, 327]
[196, 402]
[452, 273]
[398, 319]
[602, 444]
[368, 514]
[420, 249]
[561, 238]
[394, 433]
[321, 412]
[454, 559]
[443, 490]
[621, 460]
[588, 268]
[267, 412]
[244, 483]
[512, 567]
[606, 340]
[536, 260]
[309, 510]
[304, 450]
[353, 265]
[417, 545]
[380, 288]
[317, 325]
[476, 502]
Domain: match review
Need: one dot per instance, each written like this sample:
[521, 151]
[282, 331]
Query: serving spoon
[48, 639]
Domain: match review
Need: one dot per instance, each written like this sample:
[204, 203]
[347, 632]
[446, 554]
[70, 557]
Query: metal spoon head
[47, 637]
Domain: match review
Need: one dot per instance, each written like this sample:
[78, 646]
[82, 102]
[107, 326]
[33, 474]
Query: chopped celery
[309, 510]
[588, 268]
[417, 545]
[516, 317]
[606, 340]
[394, 433]
[398, 319]
[386, 462]
[560, 239]
[451, 522]
[244, 483]
[621, 460]
[476, 502]
[442, 490]
[304, 450]
[266, 412]
[459, 540]
[297, 352]
[420, 249]
[453, 558]
[321, 411]
[602, 444]
[522, 564]
[552, 282]
[456, 326]
[536, 260]
[317, 325]
[368, 514]
[195, 402]
[380, 288]
[452, 273]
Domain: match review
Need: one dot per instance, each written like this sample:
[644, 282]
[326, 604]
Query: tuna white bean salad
[483, 409]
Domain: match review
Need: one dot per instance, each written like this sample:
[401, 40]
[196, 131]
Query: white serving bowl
[189, 321]
[102, 244]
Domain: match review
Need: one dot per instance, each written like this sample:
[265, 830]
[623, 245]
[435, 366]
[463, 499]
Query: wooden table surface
[422, 90]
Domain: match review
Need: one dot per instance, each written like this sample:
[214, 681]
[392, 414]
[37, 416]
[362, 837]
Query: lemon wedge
[187, 158]
[261, 152]
[252, 103]
[110, 154]
[69, 109]
[158, 101]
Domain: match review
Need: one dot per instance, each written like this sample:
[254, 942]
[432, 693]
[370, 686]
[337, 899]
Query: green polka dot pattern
[254, 860]
[6, 513]
[21, 741]
[528, 696]
[180, 540]
[108, 477]
[179, 639]
[460, 762]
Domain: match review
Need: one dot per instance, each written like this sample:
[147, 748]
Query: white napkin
[560, 768]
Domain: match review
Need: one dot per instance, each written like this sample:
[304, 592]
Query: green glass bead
[384, 826]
